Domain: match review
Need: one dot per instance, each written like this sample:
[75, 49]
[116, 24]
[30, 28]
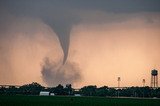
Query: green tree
[31, 89]
[59, 90]
[89, 90]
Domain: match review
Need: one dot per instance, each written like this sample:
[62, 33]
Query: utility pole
[119, 79]
[143, 81]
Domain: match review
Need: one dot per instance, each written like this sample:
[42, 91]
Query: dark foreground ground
[74, 101]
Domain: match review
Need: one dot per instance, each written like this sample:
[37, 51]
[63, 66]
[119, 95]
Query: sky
[82, 42]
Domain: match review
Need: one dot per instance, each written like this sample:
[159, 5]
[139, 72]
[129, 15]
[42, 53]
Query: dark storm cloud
[61, 15]
[59, 5]
[60, 19]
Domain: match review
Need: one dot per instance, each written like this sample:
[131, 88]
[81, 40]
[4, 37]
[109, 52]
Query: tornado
[60, 20]
[62, 31]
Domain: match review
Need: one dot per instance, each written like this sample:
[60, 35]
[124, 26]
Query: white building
[77, 94]
[44, 93]
[52, 94]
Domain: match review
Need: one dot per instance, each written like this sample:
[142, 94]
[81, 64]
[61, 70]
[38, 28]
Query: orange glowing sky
[129, 50]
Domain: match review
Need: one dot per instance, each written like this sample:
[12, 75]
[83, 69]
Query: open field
[74, 101]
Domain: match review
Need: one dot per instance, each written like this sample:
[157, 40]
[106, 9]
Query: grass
[74, 101]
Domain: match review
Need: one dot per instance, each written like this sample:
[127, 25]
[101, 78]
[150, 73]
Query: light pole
[143, 81]
[119, 79]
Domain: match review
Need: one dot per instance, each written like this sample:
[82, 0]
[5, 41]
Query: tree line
[91, 90]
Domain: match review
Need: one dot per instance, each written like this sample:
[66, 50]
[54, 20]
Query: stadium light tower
[118, 90]
[143, 81]
[119, 79]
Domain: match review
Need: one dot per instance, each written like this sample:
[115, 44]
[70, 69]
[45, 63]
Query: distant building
[44, 93]
[52, 94]
[77, 94]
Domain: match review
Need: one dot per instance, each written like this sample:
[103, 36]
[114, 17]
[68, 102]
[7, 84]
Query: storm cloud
[61, 15]
[20, 21]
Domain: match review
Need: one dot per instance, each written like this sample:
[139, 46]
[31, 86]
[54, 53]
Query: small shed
[44, 93]
[52, 94]
[77, 94]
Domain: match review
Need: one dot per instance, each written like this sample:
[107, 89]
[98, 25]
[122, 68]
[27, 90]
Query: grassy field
[74, 101]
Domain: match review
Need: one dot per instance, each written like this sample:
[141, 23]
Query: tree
[89, 90]
[102, 91]
[68, 89]
[32, 89]
[59, 90]
[112, 92]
